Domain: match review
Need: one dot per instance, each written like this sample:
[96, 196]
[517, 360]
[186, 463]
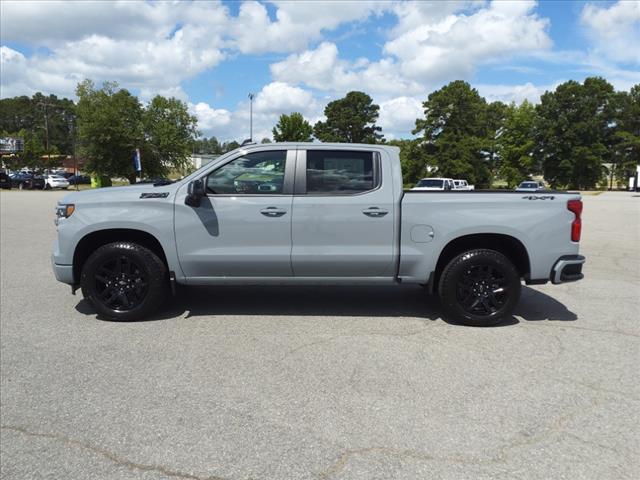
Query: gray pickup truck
[313, 213]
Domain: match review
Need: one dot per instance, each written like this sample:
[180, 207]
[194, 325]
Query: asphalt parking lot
[321, 383]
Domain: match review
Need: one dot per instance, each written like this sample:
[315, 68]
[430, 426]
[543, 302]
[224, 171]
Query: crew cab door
[243, 226]
[343, 214]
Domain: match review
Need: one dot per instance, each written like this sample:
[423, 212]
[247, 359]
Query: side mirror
[195, 192]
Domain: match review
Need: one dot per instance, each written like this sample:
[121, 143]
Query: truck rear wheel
[124, 281]
[479, 288]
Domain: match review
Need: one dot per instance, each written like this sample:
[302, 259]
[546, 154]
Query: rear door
[343, 214]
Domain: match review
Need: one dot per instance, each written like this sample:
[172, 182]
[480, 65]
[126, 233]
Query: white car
[462, 185]
[55, 181]
[435, 184]
[530, 186]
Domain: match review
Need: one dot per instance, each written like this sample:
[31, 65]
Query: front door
[343, 214]
[243, 226]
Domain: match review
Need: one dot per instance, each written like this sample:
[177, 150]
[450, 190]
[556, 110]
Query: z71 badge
[154, 195]
[538, 197]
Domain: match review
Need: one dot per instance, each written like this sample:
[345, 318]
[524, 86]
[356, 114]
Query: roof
[322, 145]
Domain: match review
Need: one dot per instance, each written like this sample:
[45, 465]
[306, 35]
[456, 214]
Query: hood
[116, 194]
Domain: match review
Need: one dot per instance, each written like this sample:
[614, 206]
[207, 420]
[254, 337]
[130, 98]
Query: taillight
[575, 206]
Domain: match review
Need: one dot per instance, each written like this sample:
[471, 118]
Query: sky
[298, 56]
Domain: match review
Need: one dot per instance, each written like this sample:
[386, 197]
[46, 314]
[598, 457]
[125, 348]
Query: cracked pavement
[235, 383]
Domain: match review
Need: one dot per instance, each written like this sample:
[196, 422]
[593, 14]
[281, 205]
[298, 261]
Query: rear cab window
[341, 172]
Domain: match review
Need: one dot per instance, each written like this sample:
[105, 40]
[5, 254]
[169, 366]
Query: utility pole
[46, 129]
[251, 97]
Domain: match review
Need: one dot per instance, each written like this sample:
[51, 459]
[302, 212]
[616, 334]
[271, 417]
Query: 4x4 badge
[538, 197]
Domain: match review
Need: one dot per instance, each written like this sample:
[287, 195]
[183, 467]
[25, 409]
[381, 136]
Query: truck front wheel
[124, 281]
[479, 287]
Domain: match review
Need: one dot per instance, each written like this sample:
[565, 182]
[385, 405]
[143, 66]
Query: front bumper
[63, 273]
[567, 269]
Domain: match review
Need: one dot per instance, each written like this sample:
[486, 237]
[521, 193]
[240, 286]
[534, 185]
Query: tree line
[581, 135]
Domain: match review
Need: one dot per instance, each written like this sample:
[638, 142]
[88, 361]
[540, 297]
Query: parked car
[530, 186]
[62, 173]
[5, 181]
[27, 181]
[462, 185]
[337, 215]
[434, 184]
[55, 181]
[79, 180]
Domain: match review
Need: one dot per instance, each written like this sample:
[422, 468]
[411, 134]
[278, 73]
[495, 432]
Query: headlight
[64, 211]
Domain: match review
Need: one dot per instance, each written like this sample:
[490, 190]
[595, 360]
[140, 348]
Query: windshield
[430, 182]
[529, 185]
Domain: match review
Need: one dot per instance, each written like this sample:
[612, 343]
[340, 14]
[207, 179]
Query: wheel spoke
[125, 300]
[111, 298]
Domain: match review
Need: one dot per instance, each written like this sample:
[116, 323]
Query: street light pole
[251, 97]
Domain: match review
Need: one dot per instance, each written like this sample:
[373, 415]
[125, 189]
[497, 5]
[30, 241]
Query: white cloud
[279, 97]
[322, 69]
[614, 30]
[47, 23]
[208, 117]
[270, 102]
[150, 46]
[453, 46]
[296, 23]
[399, 115]
[514, 93]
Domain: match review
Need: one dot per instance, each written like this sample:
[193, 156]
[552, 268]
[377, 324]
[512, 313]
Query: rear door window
[337, 172]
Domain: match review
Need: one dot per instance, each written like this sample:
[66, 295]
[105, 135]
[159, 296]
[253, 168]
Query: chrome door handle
[272, 212]
[374, 212]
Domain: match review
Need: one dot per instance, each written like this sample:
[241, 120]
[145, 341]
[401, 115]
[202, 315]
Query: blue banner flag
[137, 165]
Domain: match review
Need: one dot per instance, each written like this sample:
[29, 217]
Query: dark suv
[28, 181]
[5, 181]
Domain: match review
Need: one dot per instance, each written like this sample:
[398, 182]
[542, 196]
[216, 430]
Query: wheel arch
[93, 240]
[509, 246]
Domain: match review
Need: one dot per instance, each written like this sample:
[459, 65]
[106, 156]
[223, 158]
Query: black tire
[124, 281]
[46, 187]
[479, 288]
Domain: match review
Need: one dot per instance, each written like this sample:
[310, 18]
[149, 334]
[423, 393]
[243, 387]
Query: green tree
[455, 133]
[516, 144]
[228, 146]
[209, 146]
[626, 139]
[110, 128]
[413, 160]
[33, 151]
[112, 124]
[44, 119]
[495, 116]
[169, 130]
[265, 140]
[574, 132]
[350, 119]
[292, 128]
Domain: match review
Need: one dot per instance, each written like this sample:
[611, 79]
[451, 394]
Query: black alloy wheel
[482, 289]
[120, 283]
[124, 281]
[479, 287]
